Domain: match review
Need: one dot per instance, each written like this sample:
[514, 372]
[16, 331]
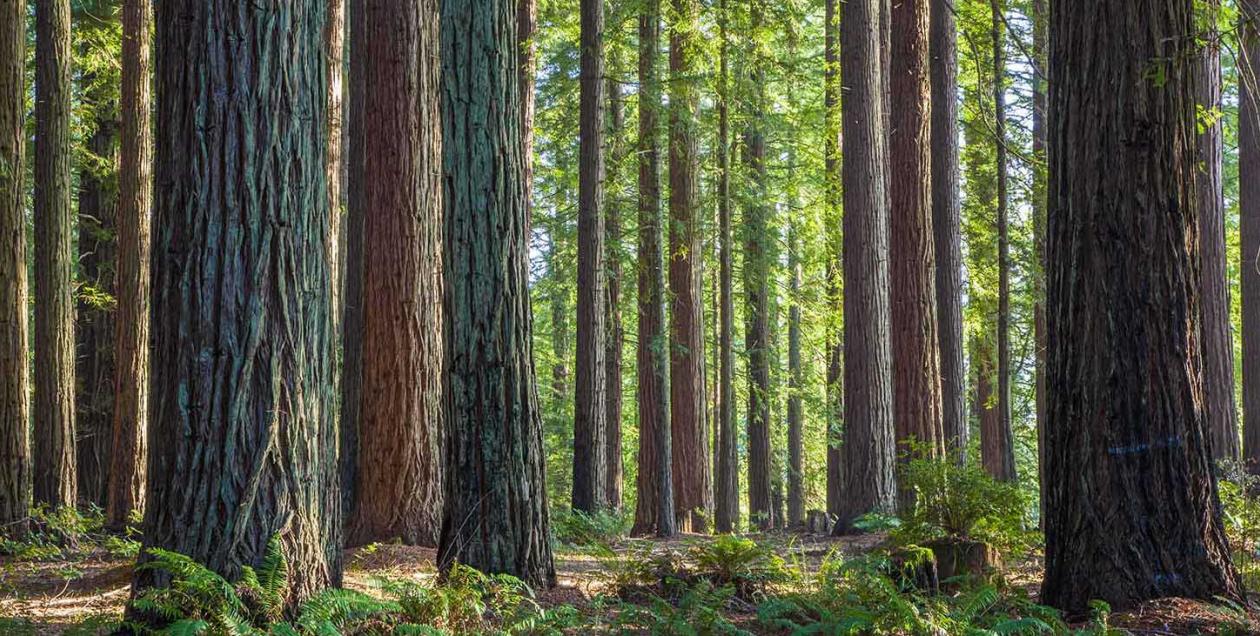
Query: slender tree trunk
[15, 407]
[1249, 221]
[243, 428]
[1132, 508]
[727, 480]
[795, 415]
[1040, 18]
[334, 59]
[1218, 338]
[915, 349]
[835, 248]
[757, 263]
[135, 201]
[496, 514]
[55, 480]
[612, 263]
[693, 501]
[94, 333]
[591, 409]
[869, 446]
[352, 267]
[655, 510]
[946, 225]
[1002, 437]
[399, 479]
[996, 446]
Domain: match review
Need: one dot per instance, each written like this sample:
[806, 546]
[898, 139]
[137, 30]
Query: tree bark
[496, 516]
[1249, 222]
[15, 406]
[834, 201]
[334, 59]
[655, 510]
[795, 415]
[1001, 438]
[1040, 18]
[693, 499]
[612, 262]
[55, 479]
[869, 446]
[1132, 511]
[135, 201]
[591, 408]
[997, 455]
[946, 225]
[243, 445]
[399, 479]
[1218, 338]
[527, 64]
[352, 319]
[726, 517]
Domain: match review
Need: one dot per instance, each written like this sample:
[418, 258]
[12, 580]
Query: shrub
[582, 530]
[741, 563]
[962, 502]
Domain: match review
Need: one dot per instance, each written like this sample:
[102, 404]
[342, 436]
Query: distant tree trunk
[795, 416]
[946, 225]
[399, 478]
[1002, 438]
[835, 250]
[726, 494]
[1040, 18]
[1249, 221]
[915, 349]
[496, 516]
[757, 263]
[55, 478]
[94, 333]
[612, 263]
[243, 428]
[1218, 338]
[352, 267]
[869, 446]
[135, 201]
[996, 446]
[1132, 509]
[559, 300]
[693, 501]
[590, 470]
[655, 510]
[15, 407]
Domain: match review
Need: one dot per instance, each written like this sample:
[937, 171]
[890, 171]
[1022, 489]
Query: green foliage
[962, 502]
[1241, 514]
[581, 530]
[699, 611]
[738, 562]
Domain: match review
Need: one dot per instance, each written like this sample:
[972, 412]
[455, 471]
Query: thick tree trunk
[693, 499]
[835, 253]
[612, 263]
[655, 510]
[1249, 222]
[726, 489]
[243, 445]
[94, 319]
[15, 407]
[399, 479]
[591, 408]
[352, 267]
[869, 446]
[946, 225]
[1132, 511]
[496, 517]
[758, 244]
[135, 201]
[1218, 338]
[1000, 438]
[527, 67]
[55, 480]
[915, 350]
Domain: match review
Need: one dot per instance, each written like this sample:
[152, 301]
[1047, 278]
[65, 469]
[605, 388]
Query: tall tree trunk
[55, 480]
[869, 446]
[496, 516]
[1040, 18]
[1218, 338]
[352, 267]
[757, 263]
[243, 428]
[591, 408]
[834, 200]
[94, 333]
[693, 501]
[1249, 221]
[997, 455]
[915, 350]
[527, 67]
[946, 225]
[15, 407]
[399, 480]
[612, 262]
[795, 416]
[334, 60]
[1132, 508]
[1002, 437]
[726, 493]
[655, 510]
[135, 201]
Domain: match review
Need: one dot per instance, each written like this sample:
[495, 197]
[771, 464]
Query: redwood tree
[835, 252]
[612, 263]
[997, 440]
[1132, 511]
[726, 479]
[1249, 222]
[495, 518]
[243, 445]
[399, 481]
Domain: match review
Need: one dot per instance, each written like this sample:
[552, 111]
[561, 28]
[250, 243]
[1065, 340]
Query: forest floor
[84, 591]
